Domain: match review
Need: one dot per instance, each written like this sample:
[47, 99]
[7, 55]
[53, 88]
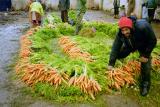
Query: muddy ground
[13, 93]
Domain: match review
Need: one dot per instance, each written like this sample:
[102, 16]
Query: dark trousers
[116, 10]
[145, 67]
[151, 14]
[64, 16]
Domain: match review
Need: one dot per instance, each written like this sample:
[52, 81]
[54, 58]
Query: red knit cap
[125, 22]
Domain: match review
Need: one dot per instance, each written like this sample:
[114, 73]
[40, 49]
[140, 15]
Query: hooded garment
[37, 7]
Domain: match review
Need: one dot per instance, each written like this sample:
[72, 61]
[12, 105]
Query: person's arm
[115, 50]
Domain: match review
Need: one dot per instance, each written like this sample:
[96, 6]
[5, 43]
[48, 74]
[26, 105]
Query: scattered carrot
[72, 50]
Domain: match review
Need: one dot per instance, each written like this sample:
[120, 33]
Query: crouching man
[131, 37]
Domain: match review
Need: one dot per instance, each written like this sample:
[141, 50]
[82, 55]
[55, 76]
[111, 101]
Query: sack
[144, 12]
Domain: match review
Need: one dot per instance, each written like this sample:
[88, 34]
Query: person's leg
[114, 11]
[145, 77]
[65, 16]
[33, 18]
[151, 14]
[38, 19]
[33, 23]
[62, 16]
[79, 20]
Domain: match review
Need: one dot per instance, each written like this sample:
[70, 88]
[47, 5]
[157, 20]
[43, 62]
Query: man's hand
[110, 68]
[143, 59]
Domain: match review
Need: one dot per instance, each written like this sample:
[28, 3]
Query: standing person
[151, 4]
[80, 13]
[64, 5]
[144, 10]
[116, 4]
[35, 13]
[122, 11]
[131, 7]
[131, 37]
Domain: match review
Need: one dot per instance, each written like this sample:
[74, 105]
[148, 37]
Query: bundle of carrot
[132, 67]
[87, 85]
[25, 44]
[124, 75]
[25, 50]
[156, 63]
[40, 73]
[72, 50]
[34, 73]
[118, 78]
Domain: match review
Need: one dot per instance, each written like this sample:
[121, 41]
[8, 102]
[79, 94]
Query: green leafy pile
[103, 28]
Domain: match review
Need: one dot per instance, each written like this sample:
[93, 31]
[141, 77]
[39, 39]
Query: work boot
[145, 88]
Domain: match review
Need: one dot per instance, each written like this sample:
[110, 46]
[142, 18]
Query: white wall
[107, 4]
[138, 9]
[19, 4]
[73, 4]
[52, 4]
[91, 4]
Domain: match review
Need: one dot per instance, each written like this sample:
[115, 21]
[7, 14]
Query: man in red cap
[131, 37]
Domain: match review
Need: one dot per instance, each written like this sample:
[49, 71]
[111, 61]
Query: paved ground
[13, 93]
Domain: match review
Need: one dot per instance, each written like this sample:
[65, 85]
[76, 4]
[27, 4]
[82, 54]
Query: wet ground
[13, 93]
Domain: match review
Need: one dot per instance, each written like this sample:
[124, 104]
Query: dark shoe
[145, 88]
[144, 91]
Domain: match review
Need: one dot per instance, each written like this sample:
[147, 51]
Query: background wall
[91, 4]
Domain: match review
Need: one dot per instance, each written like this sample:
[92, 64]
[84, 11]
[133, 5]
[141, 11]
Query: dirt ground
[13, 93]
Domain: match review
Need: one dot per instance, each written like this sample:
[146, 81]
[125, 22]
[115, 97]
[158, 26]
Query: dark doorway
[5, 4]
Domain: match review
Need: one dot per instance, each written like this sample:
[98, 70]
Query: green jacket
[81, 4]
[64, 5]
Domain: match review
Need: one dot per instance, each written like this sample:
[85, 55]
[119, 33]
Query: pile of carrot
[70, 48]
[33, 73]
[25, 43]
[156, 62]
[87, 85]
[125, 75]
